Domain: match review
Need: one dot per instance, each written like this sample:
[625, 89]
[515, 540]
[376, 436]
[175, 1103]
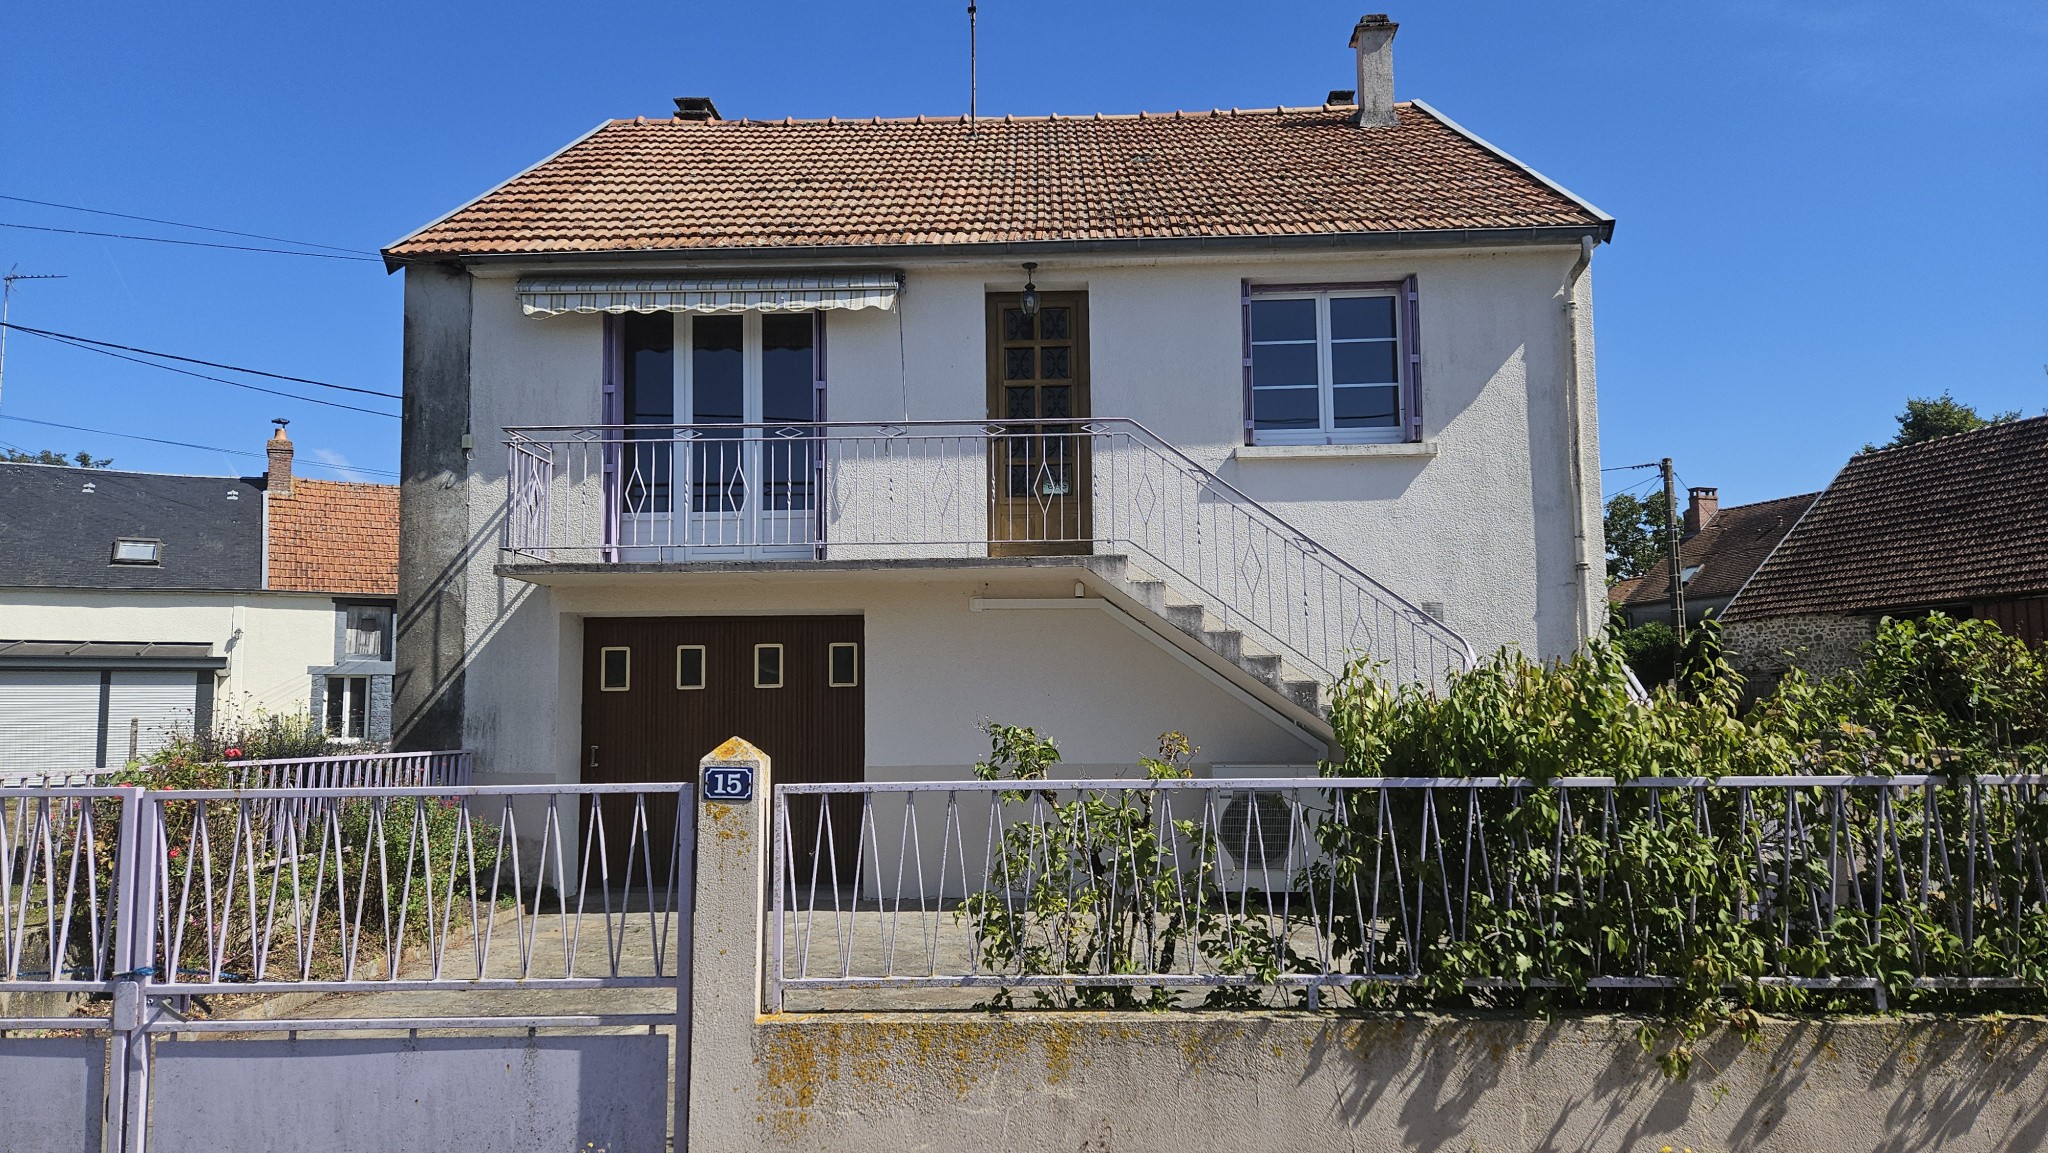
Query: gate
[334, 968]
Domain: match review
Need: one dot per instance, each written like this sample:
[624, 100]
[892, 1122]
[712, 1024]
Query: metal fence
[1100, 892]
[447, 767]
[944, 489]
[160, 900]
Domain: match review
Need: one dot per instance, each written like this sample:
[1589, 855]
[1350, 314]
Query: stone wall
[1762, 650]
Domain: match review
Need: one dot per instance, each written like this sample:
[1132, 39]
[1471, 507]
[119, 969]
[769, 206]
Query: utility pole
[1671, 533]
[6, 298]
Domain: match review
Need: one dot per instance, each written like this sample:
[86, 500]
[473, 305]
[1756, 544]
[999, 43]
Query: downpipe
[1576, 439]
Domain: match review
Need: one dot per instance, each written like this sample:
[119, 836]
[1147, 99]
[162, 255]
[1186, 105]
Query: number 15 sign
[729, 785]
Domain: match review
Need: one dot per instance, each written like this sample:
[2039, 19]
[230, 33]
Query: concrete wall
[274, 642]
[435, 499]
[1178, 1081]
[1761, 650]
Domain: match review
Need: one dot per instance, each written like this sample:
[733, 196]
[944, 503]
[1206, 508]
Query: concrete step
[1204, 625]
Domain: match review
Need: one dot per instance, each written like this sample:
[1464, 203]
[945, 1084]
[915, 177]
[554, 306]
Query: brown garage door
[661, 692]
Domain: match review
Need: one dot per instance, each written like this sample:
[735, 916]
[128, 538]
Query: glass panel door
[750, 390]
[1038, 398]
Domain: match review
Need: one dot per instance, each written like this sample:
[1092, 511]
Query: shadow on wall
[432, 718]
[1056, 1080]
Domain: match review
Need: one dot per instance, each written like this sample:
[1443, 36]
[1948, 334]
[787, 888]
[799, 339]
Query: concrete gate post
[733, 800]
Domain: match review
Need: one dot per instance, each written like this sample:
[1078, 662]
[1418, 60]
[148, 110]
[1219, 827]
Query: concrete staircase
[1202, 631]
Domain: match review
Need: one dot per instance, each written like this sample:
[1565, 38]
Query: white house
[134, 604]
[844, 435]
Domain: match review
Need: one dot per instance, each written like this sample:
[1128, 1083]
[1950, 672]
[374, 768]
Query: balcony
[682, 495]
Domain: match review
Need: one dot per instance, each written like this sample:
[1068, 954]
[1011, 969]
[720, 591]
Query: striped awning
[851, 291]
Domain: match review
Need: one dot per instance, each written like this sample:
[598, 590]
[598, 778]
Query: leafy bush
[1088, 884]
[1660, 882]
[1651, 649]
[1669, 883]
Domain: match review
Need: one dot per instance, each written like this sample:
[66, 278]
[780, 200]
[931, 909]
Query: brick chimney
[1374, 39]
[1700, 506]
[279, 449]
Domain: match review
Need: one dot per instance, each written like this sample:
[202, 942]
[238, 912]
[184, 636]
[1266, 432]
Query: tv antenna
[972, 87]
[7, 297]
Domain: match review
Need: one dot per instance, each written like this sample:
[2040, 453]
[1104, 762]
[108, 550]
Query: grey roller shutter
[145, 708]
[50, 720]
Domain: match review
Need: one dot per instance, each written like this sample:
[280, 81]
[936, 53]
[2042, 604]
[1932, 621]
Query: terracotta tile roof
[676, 185]
[335, 537]
[1948, 521]
[1727, 550]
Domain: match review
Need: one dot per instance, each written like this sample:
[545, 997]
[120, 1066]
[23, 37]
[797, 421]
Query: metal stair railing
[679, 494]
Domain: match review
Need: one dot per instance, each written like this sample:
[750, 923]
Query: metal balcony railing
[678, 494]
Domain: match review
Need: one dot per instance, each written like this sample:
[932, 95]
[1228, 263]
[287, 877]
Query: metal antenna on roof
[7, 297]
[972, 85]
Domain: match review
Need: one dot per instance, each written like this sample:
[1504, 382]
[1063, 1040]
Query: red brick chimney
[279, 449]
[1700, 507]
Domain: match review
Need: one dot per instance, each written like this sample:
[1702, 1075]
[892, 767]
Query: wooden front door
[661, 692]
[1038, 397]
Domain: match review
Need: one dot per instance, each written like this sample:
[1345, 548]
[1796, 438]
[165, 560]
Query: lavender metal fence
[666, 494]
[1312, 884]
[152, 898]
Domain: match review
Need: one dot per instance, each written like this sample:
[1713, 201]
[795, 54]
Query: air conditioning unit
[1266, 837]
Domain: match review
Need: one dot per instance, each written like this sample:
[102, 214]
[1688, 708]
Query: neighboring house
[843, 435]
[1718, 551]
[1958, 524]
[135, 604]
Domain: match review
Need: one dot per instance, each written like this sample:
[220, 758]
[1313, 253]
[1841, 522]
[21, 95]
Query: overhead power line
[206, 363]
[187, 243]
[186, 444]
[182, 224]
[75, 343]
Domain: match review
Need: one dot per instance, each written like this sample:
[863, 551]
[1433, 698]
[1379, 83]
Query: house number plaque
[730, 786]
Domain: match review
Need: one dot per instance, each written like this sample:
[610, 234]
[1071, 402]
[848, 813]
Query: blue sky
[1824, 208]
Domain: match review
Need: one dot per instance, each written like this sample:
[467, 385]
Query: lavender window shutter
[611, 412]
[1411, 372]
[1245, 314]
[818, 456]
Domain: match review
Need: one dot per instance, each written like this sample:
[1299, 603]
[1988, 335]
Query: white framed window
[842, 666]
[690, 671]
[767, 666]
[366, 632]
[131, 550]
[1329, 364]
[614, 669]
[348, 708]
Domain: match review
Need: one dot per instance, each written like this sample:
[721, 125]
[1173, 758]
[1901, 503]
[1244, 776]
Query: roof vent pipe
[1374, 40]
[696, 108]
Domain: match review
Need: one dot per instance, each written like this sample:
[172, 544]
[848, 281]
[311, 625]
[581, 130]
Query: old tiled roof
[1727, 550]
[335, 537]
[677, 185]
[1946, 521]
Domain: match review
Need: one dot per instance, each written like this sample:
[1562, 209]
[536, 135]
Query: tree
[1638, 535]
[1928, 417]
[78, 460]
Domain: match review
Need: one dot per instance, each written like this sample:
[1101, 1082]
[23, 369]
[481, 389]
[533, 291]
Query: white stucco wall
[272, 640]
[934, 669]
[1490, 525]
